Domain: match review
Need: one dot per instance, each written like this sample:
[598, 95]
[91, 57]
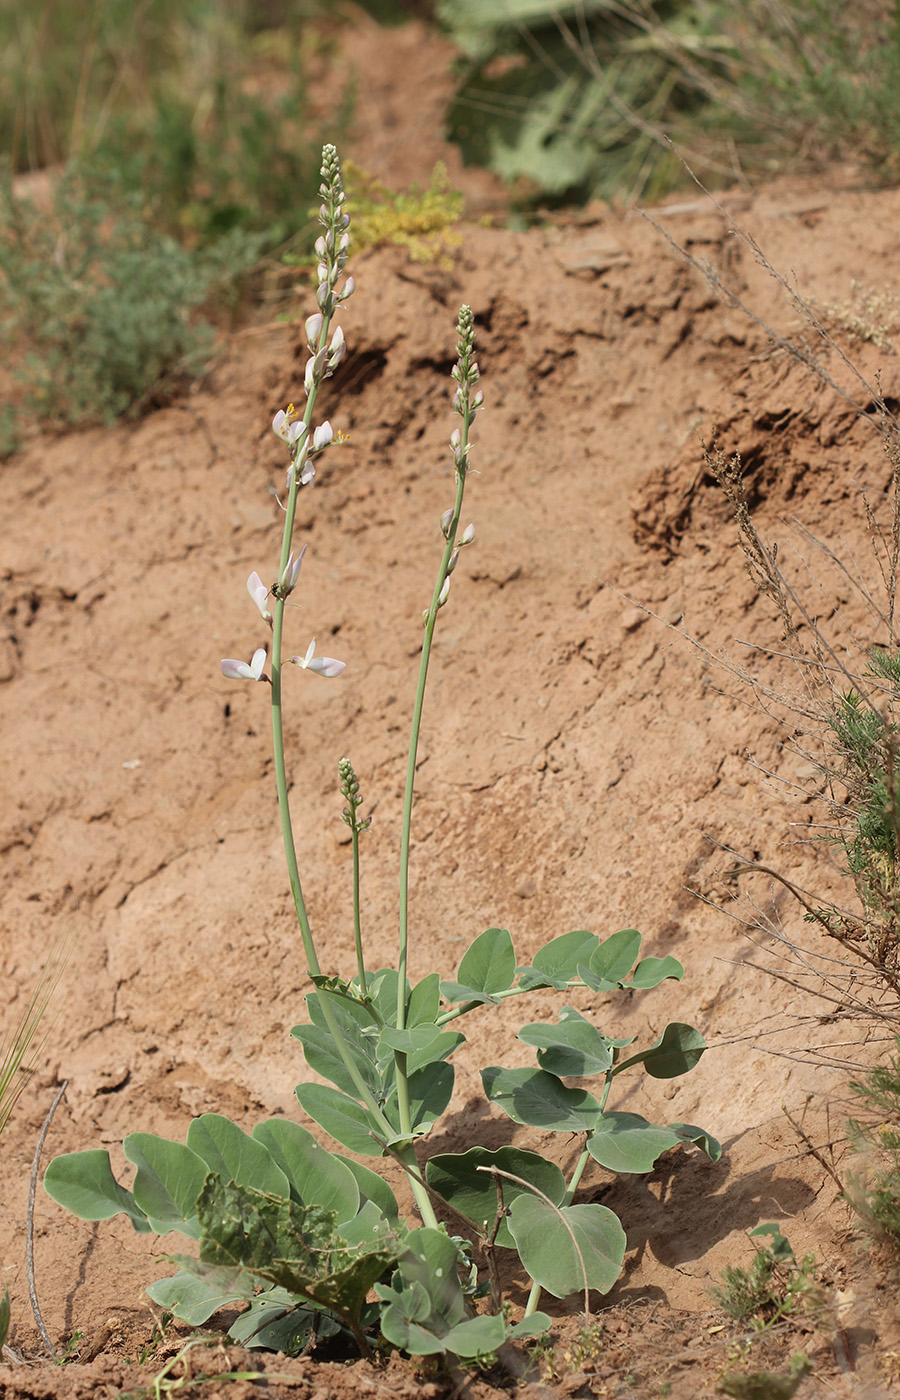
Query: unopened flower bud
[321, 248]
[349, 289]
[287, 581]
[466, 537]
[478, 399]
[452, 564]
[444, 593]
[314, 326]
[446, 522]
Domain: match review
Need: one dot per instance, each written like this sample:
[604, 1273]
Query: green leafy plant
[775, 1287]
[420, 220]
[875, 1196]
[103, 306]
[305, 1236]
[583, 99]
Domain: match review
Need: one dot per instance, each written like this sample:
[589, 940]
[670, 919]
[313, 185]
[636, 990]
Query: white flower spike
[240, 671]
[260, 595]
[322, 665]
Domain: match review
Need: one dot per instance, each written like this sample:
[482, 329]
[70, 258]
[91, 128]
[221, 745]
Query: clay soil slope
[580, 760]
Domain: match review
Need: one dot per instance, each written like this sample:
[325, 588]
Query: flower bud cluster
[466, 399]
[350, 790]
[332, 246]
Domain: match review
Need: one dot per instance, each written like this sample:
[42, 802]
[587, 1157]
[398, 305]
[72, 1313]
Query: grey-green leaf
[169, 1180]
[342, 1118]
[234, 1155]
[316, 1177]
[489, 963]
[546, 1249]
[573, 1048]
[193, 1300]
[372, 1187]
[651, 971]
[538, 1099]
[83, 1183]
[626, 1142]
[557, 962]
[615, 957]
[676, 1052]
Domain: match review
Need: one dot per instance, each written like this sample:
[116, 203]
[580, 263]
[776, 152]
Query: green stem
[284, 809]
[534, 1298]
[414, 746]
[357, 926]
[577, 1174]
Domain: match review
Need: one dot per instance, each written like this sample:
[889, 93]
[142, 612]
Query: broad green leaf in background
[546, 1249]
[316, 1177]
[457, 1179]
[168, 1182]
[83, 1183]
[533, 1097]
[677, 1051]
[234, 1155]
[573, 1048]
[194, 1300]
[372, 1187]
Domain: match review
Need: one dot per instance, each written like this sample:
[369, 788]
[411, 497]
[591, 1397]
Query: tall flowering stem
[466, 400]
[331, 251]
[306, 445]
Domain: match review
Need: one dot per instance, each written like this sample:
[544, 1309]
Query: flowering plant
[313, 1241]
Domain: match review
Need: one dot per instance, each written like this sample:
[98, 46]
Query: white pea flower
[287, 426]
[240, 671]
[322, 436]
[314, 326]
[349, 289]
[291, 572]
[260, 595]
[322, 665]
[444, 593]
[467, 536]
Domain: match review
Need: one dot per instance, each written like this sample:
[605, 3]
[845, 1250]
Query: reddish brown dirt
[579, 758]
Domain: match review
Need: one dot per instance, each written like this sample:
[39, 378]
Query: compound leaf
[539, 1099]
